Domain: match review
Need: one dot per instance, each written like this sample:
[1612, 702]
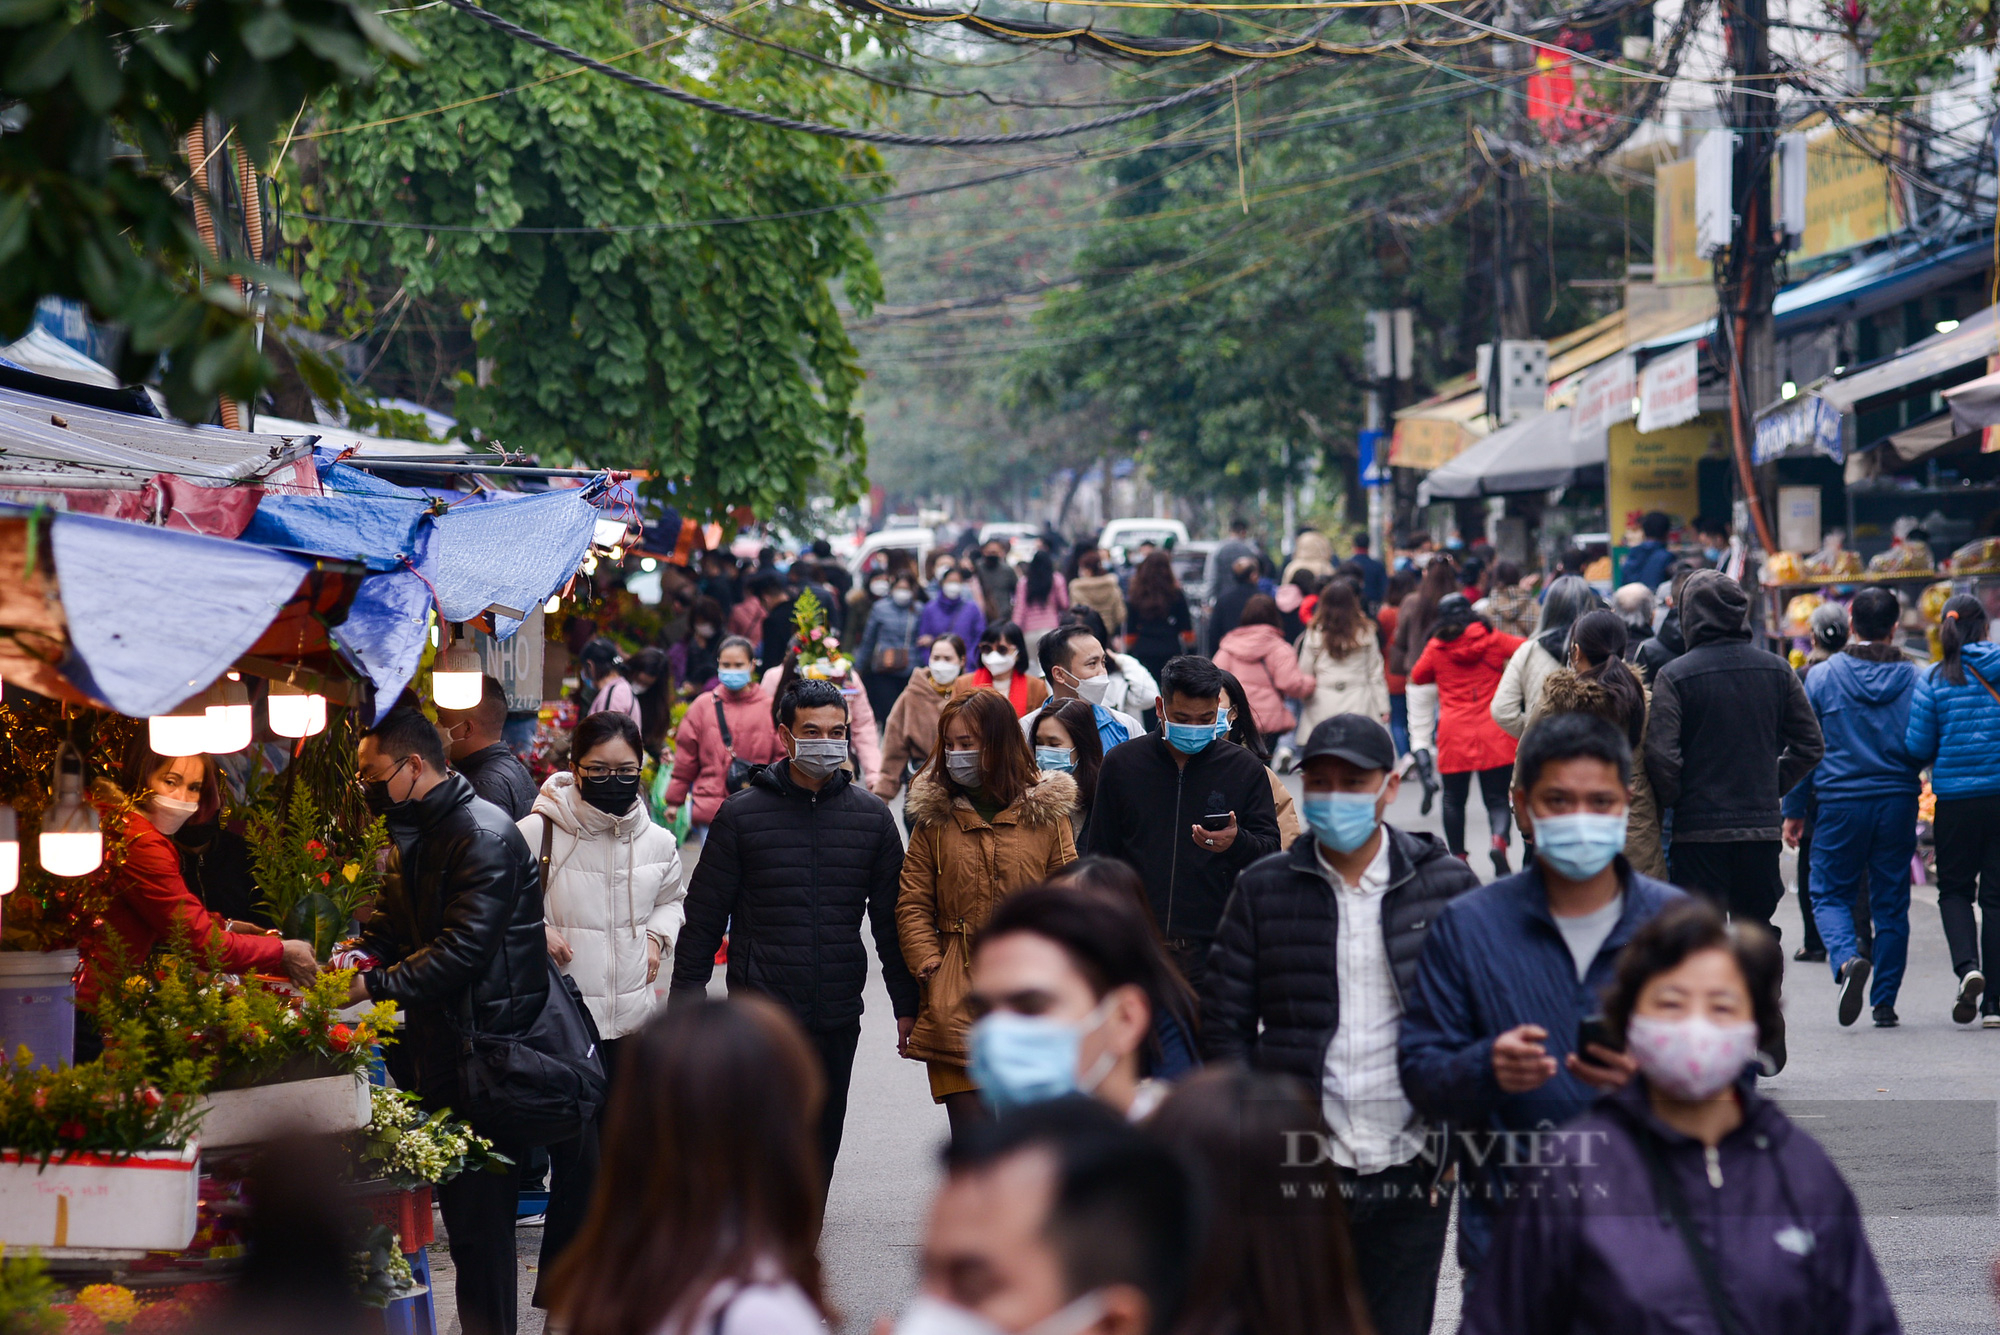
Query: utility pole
[1750, 275]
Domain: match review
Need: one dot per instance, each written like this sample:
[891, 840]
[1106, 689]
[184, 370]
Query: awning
[364, 446]
[1976, 403]
[80, 446]
[1534, 455]
[1936, 436]
[43, 353]
[1975, 339]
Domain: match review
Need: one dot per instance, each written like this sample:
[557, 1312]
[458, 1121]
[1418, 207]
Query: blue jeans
[1868, 843]
[1399, 723]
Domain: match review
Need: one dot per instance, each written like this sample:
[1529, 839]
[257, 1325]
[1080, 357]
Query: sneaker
[1885, 1016]
[1500, 863]
[1853, 989]
[1970, 988]
[1990, 1022]
[1806, 956]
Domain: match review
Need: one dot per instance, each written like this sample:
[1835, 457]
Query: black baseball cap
[1355, 738]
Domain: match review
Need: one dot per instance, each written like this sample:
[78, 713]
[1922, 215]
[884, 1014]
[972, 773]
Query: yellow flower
[351, 871]
[113, 1304]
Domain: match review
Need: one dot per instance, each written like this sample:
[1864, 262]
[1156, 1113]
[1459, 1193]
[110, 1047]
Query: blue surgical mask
[1059, 758]
[1221, 724]
[1022, 1059]
[1342, 821]
[1190, 738]
[734, 679]
[1579, 845]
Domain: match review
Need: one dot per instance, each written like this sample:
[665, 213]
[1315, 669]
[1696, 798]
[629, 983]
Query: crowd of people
[1215, 1054]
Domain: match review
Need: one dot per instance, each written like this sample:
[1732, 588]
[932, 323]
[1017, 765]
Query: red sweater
[148, 898]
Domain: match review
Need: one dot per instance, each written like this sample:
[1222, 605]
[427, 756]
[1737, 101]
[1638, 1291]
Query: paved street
[1909, 1113]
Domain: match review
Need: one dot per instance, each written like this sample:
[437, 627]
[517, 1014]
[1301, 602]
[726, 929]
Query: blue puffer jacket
[1956, 729]
[1864, 713]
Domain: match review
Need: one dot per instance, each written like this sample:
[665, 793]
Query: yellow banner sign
[1674, 257]
[1657, 471]
[1850, 194]
[1427, 442]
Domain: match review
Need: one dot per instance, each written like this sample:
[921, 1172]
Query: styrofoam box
[327, 1106]
[143, 1202]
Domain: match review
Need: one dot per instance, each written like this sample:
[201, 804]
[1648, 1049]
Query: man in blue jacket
[1649, 562]
[1510, 971]
[1865, 831]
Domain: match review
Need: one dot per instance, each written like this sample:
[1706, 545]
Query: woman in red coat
[1465, 658]
[150, 901]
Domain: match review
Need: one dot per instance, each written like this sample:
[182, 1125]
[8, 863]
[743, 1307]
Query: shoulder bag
[1981, 680]
[739, 772]
[540, 1087]
[1667, 1195]
[894, 660]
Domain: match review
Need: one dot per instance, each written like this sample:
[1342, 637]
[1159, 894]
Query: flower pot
[326, 1106]
[144, 1202]
[38, 1005]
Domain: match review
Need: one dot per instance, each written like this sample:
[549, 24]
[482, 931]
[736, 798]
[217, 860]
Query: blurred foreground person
[298, 1245]
[1684, 1201]
[1058, 1219]
[709, 1219]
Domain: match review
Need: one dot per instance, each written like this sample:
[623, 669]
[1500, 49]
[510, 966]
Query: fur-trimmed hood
[1049, 799]
[1563, 692]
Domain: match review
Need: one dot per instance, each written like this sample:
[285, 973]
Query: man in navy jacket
[1865, 830]
[1510, 971]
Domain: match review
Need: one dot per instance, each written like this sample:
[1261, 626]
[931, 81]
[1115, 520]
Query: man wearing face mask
[458, 928]
[1511, 971]
[474, 746]
[792, 864]
[1187, 809]
[1077, 668]
[1313, 967]
[1058, 1219]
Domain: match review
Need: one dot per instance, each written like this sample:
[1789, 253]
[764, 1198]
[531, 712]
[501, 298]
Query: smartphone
[1217, 820]
[1595, 1029]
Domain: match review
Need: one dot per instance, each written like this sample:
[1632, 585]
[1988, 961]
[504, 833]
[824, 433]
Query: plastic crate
[408, 1211]
[416, 1314]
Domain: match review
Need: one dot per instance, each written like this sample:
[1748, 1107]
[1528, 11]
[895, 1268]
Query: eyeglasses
[602, 772]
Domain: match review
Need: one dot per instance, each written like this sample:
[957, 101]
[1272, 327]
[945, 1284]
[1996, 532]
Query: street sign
[1374, 458]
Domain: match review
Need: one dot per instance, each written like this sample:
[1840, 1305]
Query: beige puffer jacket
[1351, 683]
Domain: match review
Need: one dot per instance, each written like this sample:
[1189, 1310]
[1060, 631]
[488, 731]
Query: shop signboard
[1670, 389]
[1428, 442]
[1657, 470]
[1604, 396]
[1675, 259]
[1850, 194]
[517, 663]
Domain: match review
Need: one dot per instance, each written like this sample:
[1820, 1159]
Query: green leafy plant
[312, 874]
[27, 1295]
[109, 1106]
[404, 1145]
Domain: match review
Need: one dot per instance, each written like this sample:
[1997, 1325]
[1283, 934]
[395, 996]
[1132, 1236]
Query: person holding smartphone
[1509, 972]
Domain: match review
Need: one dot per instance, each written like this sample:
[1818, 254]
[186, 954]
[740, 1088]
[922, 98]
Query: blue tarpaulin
[156, 614]
[381, 532]
[507, 553]
[383, 635]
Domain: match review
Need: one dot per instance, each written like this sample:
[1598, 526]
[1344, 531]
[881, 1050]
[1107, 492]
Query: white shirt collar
[1373, 881]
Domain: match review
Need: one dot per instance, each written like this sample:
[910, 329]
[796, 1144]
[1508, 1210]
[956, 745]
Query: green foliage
[713, 355]
[109, 1106]
[402, 1144]
[102, 94]
[312, 872]
[27, 1296]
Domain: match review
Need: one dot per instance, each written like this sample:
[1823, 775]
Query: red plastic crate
[406, 1211]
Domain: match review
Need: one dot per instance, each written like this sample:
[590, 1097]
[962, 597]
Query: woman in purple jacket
[953, 612]
[1684, 1202]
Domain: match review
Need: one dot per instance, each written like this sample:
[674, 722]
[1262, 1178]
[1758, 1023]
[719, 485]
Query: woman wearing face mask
[869, 590]
[1598, 681]
[953, 611]
[612, 902]
[1002, 666]
[149, 902]
[983, 823]
[910, 735]
[1342, 652]
[888, 643]
[653, 683]
[723, 726]
[1685, 1200]
[1041, 596]
[1519, 696]
[1239, 727]
[693, 659]
[714, 1221]
[605, 682]
[1066, 741]
[1157, 620]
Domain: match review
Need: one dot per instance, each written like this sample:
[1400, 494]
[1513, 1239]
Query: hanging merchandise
[71, 842]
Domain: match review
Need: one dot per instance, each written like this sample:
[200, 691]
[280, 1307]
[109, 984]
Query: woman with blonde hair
[983, 823]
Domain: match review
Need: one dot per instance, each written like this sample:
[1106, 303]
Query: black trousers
[836, 1058]
[1742, 879]
[1493, 784]
[1190, 955]
[1967, 832]
[478, 1211]
[1398, 1235]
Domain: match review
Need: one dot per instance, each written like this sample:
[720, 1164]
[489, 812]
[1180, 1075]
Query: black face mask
[375, 793]
[613, 794]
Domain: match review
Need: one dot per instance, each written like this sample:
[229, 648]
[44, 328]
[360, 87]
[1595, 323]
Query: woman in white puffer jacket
[612, 897]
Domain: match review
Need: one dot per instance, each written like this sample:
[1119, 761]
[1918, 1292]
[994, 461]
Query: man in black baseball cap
[1311, 971]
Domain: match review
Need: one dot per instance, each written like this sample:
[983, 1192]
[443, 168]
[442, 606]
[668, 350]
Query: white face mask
[169, 813]
[944, 674]
[925, 1315]
[902, 597]
[1092, 690]
[999, 663]
[879, 587]
[951, 588]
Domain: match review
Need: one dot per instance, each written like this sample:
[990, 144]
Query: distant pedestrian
[1242, 730]
[1519, 694]
[1402, 584]
[1288, 1271]
[1076, 664]
[1634, 605]
[1158, 623]
[1226, 609]
[1419, 613]
[1668, 642]
[1647, 564]
[1240, 544]
[725, 733]
[1342, 652]
[793, 864]
[887, 650]
[1158, 797]
[1465, 659]
[710, 1220]
[1729, 734]
[1598, 681]
[1313, 969]
[476, 749]
[952, 612]
[910, 735]
[997, 581]
[693, 659]
[1684, 1201]
[1509, 972]
[609, 686]
[1828, 624]
[983, 823]
[1865, 788]
[1955, 726]
[1510, 601]
[1374, 575]
[1257, 652]
[1040, 599]
[1095, 589]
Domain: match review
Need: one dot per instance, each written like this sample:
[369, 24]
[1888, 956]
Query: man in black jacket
[1153, 793]
[458, 925]
[1730, 732]
[791, 864]
[476, 749]
[1666, 644]
[1312, 964]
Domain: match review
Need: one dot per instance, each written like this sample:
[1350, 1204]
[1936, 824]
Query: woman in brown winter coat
[1597, 681]
[983, 823]
[1419, 613]
[910, 735]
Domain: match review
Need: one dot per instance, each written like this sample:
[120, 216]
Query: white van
[1121, 537]
[917, 541]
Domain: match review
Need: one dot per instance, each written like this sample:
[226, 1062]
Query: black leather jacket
[461, 908]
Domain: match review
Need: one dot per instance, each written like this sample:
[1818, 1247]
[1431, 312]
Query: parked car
[1121, 537]
[1194, 567]
[917, 541]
